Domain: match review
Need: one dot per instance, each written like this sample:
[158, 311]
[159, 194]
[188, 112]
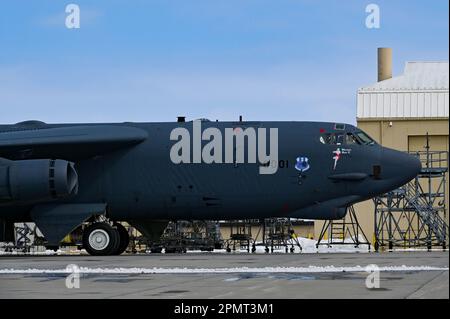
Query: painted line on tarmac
[311, 269]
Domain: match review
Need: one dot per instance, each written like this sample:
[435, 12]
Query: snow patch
[231, 279]
[309, 269]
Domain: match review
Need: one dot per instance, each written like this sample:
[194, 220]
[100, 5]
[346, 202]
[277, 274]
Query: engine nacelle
[37, 180]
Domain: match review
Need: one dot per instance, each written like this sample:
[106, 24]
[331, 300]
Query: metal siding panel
[420, 105]
[373, 105]
[440, 104]
[378, 101]
[360, 105]
[363, 105]
[413, 105]
[408, 105]
[427, 104]
[386, 104]
[446, 107]
[367, 106]
[393, 111]
[434, 104]
[401, 104]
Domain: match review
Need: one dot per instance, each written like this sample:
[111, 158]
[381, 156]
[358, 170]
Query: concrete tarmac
[404, 283]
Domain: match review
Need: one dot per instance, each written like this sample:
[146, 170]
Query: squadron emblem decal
[302, 164]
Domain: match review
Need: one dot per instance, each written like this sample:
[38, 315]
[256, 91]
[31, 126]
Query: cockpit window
[364, 138]
[351, 139]
[333, 138]
[356, 138]
[327, 138]
[339, 139]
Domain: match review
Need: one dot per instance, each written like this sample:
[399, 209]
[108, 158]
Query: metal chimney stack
[384, 64]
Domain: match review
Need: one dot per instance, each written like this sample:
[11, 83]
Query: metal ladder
[426, 212]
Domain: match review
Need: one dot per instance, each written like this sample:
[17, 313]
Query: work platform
[415, 215]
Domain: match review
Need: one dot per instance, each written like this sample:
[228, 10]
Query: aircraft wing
[68, 142]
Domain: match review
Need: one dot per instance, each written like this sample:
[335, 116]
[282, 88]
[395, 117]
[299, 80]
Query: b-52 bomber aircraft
[63, 176]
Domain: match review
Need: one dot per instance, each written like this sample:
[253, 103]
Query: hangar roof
[417, 76]
[420, 92]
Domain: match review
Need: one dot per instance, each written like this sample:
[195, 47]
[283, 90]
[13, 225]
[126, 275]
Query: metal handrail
[432, 159]
[426, 212]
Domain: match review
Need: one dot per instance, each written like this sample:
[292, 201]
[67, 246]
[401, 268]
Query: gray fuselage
[141, 182]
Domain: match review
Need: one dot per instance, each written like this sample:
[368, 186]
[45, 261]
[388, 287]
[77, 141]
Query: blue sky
[153, 60]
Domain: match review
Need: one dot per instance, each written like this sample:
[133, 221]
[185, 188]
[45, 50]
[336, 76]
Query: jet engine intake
[37, 180]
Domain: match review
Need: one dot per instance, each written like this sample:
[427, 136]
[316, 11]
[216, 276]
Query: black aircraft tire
[124, 239]
[101, 239]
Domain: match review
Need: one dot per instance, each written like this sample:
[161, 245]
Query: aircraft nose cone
[416, 165]
[412, 167]
[400, 167]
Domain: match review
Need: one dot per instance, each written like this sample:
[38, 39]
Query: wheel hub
[99, 239]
